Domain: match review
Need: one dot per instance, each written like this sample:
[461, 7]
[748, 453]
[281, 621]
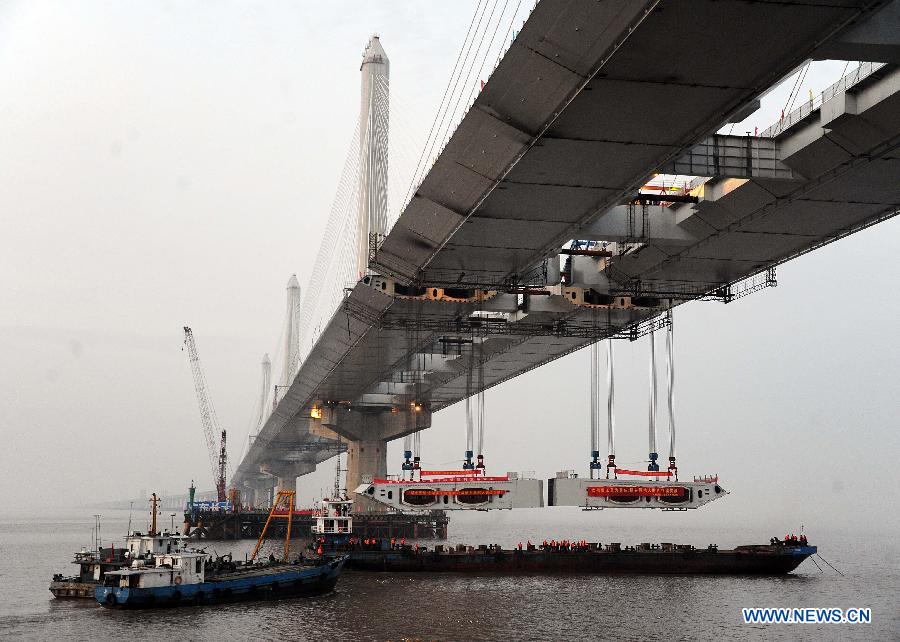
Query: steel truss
[462, 327]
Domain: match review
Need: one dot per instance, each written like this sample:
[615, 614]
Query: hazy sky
[172, 163]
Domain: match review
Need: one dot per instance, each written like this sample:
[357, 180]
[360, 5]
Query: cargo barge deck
[584, 558]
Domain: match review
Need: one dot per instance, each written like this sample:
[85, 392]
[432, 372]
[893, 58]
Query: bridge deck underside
[578, 115]
[573, 121]
[848, 177]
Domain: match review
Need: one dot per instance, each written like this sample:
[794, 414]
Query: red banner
[465, 473]
[443, 480]
[636, 491]
[452, 493]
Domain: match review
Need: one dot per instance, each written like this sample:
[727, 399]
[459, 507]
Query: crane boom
[218, 457]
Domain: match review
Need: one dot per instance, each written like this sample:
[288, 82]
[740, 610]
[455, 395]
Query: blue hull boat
[262, 582]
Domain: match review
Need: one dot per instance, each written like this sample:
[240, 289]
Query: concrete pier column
[286, 483]
[258, 495]
[366, 434]
[366, 460]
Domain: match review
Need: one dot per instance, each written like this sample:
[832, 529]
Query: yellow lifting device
[282, 508]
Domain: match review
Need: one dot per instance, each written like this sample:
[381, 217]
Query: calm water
[458, 607]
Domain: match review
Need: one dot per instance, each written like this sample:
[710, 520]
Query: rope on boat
[813, 560]
[829, 564]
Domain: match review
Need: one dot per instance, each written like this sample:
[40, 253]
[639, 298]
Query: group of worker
[375, 543]
[320, 544]
[793, 539]
[564, 545]
[790, 540]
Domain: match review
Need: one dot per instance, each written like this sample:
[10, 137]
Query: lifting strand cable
[481, 401]
[610, 410]
[670, 387]
[417, 436]
[595, 398]
[469, 422]
[652, 423]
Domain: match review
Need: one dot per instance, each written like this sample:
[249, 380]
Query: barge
[776, 558]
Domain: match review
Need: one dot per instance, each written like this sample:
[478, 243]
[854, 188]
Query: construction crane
[218, 457]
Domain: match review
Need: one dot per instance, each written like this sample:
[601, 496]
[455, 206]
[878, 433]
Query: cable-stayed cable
[429, 141]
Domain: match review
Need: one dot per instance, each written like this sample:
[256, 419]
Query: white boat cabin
[168, 570]
[334, 517]
[139, 545]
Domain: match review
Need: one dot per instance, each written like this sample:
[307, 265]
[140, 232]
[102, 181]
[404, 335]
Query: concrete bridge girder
[381, 424]
[875, 40]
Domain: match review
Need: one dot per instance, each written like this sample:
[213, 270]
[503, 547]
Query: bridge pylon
[373, 150]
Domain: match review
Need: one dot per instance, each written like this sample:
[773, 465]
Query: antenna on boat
[98, 543]
[130, 511]
[153, 501]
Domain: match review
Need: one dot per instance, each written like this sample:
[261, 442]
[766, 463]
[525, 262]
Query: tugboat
[187, 577]
[94, 564]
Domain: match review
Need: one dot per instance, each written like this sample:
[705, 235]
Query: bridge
[531, 234]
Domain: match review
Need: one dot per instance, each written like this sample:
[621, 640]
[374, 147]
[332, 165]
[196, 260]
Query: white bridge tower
[374, 110]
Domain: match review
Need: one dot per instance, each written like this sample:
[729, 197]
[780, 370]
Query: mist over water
[473, 607]
[171, 164]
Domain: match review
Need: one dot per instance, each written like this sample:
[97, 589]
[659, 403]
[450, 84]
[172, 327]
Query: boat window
[700, 494]
[390, 494]
[198, 565]
[445, 499]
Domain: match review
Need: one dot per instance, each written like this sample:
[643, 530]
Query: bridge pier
[256, 493]
[283, 475]
[366, 460]
[367, 433]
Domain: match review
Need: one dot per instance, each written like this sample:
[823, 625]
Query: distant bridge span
[588, 103]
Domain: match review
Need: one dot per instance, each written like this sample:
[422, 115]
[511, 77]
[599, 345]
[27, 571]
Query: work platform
[218, 525]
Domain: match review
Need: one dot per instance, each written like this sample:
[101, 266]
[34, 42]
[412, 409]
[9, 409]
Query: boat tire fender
[110, 599]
